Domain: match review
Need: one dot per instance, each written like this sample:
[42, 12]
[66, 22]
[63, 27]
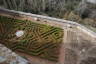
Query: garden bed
[36, 39]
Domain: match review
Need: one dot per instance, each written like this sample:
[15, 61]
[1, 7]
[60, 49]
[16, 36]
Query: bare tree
[56, 7]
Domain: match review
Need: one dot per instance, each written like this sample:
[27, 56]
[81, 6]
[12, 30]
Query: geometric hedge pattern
[39, 40]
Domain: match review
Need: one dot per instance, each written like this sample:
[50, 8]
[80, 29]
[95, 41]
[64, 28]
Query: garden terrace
[53, 40]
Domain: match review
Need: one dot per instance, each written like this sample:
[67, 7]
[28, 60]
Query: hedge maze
[39, 40]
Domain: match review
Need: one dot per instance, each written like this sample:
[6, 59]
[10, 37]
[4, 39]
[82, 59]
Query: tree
[14, 4]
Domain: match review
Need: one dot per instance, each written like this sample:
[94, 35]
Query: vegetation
[89, 60]
[38, 39]
[57, 7]
[75, 10]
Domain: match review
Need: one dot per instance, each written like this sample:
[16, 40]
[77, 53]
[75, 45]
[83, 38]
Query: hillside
[81, 11]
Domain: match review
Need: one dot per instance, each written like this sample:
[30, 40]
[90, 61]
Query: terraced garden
[38, 40]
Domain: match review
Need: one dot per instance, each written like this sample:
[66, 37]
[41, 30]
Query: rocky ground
[9, 57]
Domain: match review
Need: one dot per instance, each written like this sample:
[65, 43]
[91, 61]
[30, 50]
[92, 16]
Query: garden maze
[39, 40]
